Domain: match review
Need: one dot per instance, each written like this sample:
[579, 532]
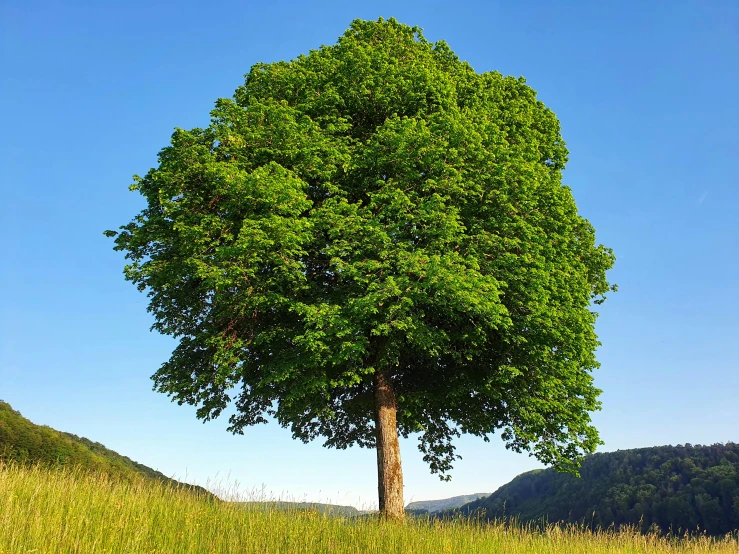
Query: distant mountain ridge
[327, 509]
[22, 441]
[686, 488]
[432, 506]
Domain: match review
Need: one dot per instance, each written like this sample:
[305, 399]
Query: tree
[373, 240]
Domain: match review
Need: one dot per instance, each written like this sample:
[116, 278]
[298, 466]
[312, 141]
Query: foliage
[26, 443]
[89, 513]
[376, 205]
[671, 488]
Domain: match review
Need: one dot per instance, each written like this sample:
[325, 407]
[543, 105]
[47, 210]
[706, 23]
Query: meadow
[59, 511]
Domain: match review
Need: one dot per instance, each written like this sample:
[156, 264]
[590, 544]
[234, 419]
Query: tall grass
[68, 511]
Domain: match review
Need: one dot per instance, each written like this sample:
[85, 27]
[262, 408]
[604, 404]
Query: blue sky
[91, 91]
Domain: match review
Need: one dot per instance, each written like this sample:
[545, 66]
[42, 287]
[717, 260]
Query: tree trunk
[389, 470]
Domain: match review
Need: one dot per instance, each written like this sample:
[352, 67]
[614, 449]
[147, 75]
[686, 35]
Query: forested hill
[432, 506]
[327, 509]
[25, 442]
[679, 487]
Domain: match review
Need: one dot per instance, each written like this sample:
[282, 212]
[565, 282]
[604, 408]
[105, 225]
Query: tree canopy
[376, 209]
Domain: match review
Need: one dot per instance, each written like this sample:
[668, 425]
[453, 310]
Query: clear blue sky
[91, 91]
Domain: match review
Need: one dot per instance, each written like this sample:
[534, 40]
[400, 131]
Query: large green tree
[373, 240]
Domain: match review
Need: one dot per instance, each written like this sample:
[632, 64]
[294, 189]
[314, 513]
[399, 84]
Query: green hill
[431, 506]
[24, 442]
[694, 488]
[326, 509]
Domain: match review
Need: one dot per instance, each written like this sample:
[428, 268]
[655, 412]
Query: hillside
[24, 442]
[326, 509]
[432, 506]
[680, 487]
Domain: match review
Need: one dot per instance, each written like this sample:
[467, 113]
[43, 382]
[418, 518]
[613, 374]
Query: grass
[68, 511]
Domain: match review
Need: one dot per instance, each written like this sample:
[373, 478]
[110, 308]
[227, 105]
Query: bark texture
[389, 470]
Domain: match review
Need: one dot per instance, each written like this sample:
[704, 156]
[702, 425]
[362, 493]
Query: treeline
[665, 488]
[24, 442]
[422, 507]
[326, 509]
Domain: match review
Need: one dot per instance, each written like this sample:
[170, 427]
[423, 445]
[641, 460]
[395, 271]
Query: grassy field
[66, 511]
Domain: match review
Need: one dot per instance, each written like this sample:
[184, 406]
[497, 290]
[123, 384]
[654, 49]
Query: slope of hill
[326, 509]
[432, 506]
[25, 442]
[680, 487]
